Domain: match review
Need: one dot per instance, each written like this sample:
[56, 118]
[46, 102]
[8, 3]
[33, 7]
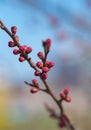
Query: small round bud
[66, 90]
[47, 63]
[28, 50]
[14, 29]
[23, 48]
[68, 99]
[39, 64]
[33, 90]
[40, 55]
[44, 76]
[51, 64]
[35, 82]
[15, 51]
[62, 95]
[11, 44]
[21, 58]
[45, 69]
[37, 73]
[48, 42]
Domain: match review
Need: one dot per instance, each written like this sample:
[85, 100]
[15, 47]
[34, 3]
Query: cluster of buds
[62, 119]
[44, 66]
[35, 85]
[44, 69]
[64, 95]
[41, 68]
[22, 50]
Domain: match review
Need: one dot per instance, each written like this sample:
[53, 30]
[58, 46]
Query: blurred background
[68, 23]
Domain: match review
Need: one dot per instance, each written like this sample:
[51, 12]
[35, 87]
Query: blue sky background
[33, 26]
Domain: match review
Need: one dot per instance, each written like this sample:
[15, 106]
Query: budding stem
[69, 126]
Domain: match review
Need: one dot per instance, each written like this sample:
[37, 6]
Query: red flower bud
[15, 51]
[45, 69]
[21, 58]
[11, 44]
[33, 90]
[39, 64]
[35, 82]
[51, 64]
[67, 90]
[47, 63]
[62, 95]
[14, 29]
[28, 50]
[37, 73]
[68, 99]
[44, 76]
[48, 42]
[40, 55]
[23, 48]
